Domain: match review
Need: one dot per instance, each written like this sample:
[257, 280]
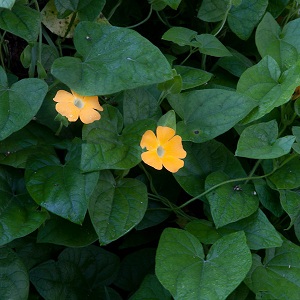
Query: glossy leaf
[287, 177]
[59, 231]
[113, 59]
[180, 35]
[229, 202]
[243, 18]
[107, 148]
[204, 120]
[51, 184]
[277, 277]
[21, 21]
[14, 281]
[210, 45]
[192, 77]
[192, 176]
[19, 214]
[265, 83]
[259, 141]
[151, 289]
[78, 273]
[16, 110]
[116, 206]
[183, 269]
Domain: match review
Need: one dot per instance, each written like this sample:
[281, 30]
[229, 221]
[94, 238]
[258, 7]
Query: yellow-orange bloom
[163, 149]
[74, 106]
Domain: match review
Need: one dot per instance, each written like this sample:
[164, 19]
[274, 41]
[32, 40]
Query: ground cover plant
[149, 149]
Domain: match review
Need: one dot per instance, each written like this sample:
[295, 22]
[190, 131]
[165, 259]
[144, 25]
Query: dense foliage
[149, 149]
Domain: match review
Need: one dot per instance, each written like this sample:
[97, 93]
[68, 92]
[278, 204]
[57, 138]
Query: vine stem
[235, 180]
[142, 22]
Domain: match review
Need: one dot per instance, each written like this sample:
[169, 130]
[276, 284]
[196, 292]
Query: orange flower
[74, 105]
[164, 149]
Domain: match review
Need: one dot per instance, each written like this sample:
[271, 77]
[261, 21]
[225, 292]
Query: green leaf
[210, 45]
[265, 83]
[59, 231]
[88, 10]
[243, 18]
[161, 4]
[180, 35]
[21, 21]
[277, 277]
[268, 197]
[218, 158]
[138, 104]
[291, 35]
[19, 214]
[15, 149]
[7, 3]
[134, 267]
[259, 232]
[107, 148]
[236, 64]
[270, 41]
[287, 177]
[117, 206]
[14, 281]
[172, 86]
[213, 10]
[182, 268]
[229, 202]
[276, 7]
[192, 77]
[51, 184]
[113, 59]
[259, 141]
[290, 202]
[151, 289]
[168, 120]
[296, 133]
[79, 273]
[16, 110]
[204, 120]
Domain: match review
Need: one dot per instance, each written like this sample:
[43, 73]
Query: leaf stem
[114, 10]
[144, 21]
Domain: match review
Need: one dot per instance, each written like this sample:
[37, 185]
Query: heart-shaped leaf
[278, 276]
[14, 281]
[204, 120]
[117, 206]
[230, 202]
[265, 83]
[183, 269]
[107, 148]
[113, 59]
[59, 231]
[51, 184]
[260, 141]
[290, 202]
[19, 214]
[79, 273]
[19, 103]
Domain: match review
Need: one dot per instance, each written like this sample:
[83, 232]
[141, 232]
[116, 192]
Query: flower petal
[149, 140]
[92, 102]
[152, 159]
[172, 164]
[63, 97]
[88, 115]
[68, 110]
[164, 134]
[174, 147]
